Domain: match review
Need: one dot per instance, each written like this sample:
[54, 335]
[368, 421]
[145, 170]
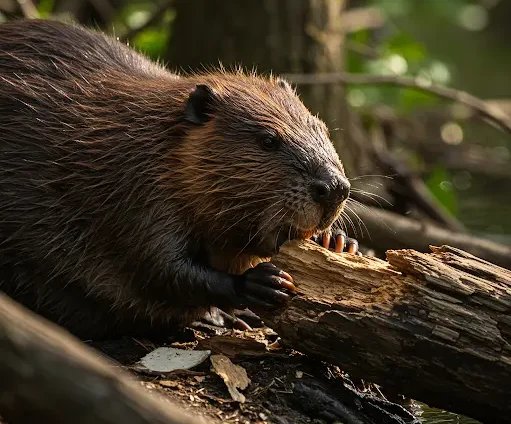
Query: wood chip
[234, 376]
[169, 383]
[234, 346]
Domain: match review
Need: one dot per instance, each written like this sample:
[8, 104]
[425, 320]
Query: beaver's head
[259, 167]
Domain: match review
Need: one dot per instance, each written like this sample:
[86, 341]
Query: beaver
[133, 198]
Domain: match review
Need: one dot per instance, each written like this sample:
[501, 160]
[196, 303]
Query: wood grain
[435, 327]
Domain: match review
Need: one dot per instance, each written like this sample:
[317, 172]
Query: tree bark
[46, 376]
[435, 327]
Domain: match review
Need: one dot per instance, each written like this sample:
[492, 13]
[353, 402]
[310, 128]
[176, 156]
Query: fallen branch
[487, 110]
[46, 376]
[407, 188]
[384, 230]
[435, 327]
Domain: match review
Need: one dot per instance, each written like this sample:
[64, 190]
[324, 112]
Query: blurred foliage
[442, 42]
[439, 182]
[401, 53]
[45, 7]
[153, 40]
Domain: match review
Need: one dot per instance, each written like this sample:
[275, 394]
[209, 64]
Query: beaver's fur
[131, 197]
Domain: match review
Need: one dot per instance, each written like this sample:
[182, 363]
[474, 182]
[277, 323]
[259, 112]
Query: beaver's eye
[269, 143]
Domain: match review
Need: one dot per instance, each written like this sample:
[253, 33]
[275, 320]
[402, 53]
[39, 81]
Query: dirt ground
[285, 386]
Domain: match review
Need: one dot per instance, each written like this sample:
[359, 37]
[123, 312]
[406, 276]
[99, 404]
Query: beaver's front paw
[337, 242]
[265, 286]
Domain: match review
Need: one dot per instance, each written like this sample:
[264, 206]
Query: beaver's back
[60, 50]
[78, 113]
[77, 135]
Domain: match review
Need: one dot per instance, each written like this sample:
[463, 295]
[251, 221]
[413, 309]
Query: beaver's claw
[337, 241]
[265, 286]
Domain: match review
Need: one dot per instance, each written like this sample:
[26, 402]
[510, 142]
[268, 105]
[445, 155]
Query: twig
[28, 9]
[153, 19]
[489, 111]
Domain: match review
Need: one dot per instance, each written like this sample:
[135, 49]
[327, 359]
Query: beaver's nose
[331, 191]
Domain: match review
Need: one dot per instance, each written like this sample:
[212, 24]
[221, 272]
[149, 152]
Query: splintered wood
[234, 376]
[435, 327]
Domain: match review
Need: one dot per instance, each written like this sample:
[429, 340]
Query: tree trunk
[289, 36]
[435, 327]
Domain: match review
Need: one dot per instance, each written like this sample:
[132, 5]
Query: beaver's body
[132, 198]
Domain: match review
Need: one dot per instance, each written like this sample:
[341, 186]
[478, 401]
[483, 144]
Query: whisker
[341, 224]
[228, 228]
[369, 210]
[266, 209]
[289, 231]
[280, 228]
[374, 184]
[372, 176]
[360, 222]
[352, 224]
[372, 196]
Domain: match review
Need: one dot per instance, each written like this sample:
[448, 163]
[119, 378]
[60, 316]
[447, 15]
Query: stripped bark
[435, 327]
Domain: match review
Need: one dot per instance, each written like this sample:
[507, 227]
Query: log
[48, 376]
[385, 230]
[435, 327]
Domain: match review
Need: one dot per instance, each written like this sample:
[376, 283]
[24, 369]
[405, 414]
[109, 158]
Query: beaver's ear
[284, 84]
[199, 106]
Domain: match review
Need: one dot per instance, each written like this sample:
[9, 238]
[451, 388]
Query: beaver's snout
[330, 190]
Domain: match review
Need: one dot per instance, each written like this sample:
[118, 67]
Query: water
[434, 416]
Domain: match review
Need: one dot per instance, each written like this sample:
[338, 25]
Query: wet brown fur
[103, 182]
